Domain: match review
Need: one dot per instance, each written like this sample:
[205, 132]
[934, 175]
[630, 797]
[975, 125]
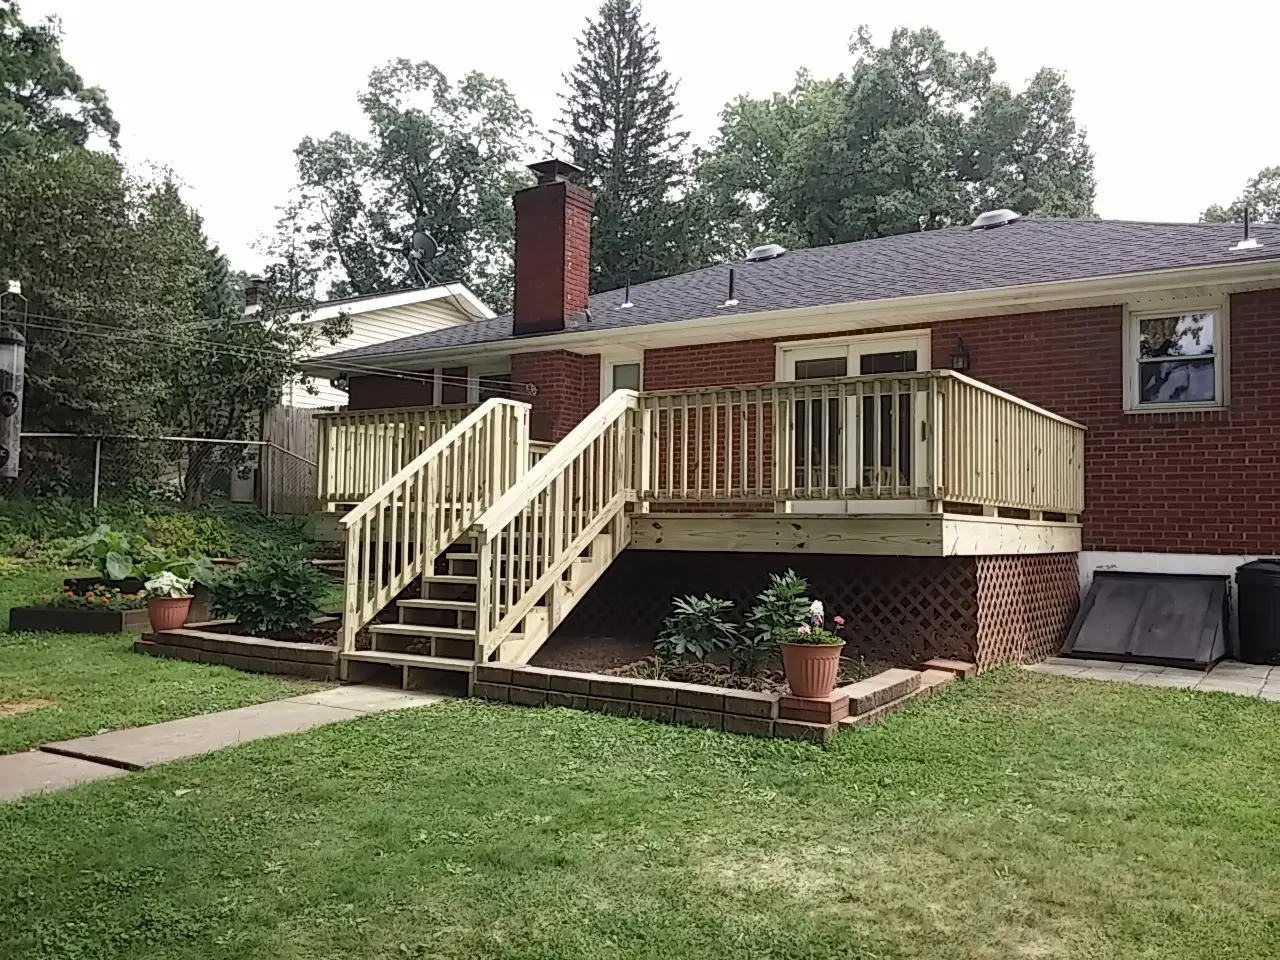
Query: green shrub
[186, 534]
[697, 626]
[113, 554]
[779, 609]
[274, 594]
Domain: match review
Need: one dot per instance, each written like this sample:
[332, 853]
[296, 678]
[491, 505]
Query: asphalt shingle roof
[938, 261]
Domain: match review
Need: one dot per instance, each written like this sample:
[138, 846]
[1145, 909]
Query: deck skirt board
[903, 535]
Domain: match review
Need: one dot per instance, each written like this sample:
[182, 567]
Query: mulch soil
[633, 657]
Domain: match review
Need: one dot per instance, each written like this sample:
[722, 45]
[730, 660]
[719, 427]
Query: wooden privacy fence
[395, 534]
[933, 436]
[359, 449]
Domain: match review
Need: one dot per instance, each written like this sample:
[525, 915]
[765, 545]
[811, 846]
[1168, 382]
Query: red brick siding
[568, 386]
[709, 364]
[374, 392]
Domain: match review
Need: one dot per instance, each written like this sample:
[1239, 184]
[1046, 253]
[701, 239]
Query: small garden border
[718, 708]
[215, 641]
[63, 620]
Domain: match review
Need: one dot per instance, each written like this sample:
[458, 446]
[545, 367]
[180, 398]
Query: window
[494, 385]
[626, 376]
[621, 368]
[1176, 360]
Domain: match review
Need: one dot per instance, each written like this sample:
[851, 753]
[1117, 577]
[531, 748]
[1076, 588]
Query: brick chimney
[553, 249]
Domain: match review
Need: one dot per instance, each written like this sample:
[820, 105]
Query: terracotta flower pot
[168, 613]
[811, 668]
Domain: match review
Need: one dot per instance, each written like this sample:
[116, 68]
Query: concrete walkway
[1229, 676]
[56, 766]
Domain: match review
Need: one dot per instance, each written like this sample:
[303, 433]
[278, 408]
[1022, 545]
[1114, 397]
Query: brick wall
[374, 392]
[568, 389]
[553, 255]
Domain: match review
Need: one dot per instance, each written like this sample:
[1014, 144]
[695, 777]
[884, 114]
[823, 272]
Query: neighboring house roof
[466, 302]
[954, 260]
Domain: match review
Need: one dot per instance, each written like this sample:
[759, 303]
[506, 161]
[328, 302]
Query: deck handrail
[360, 448]
[400, 528]
[537, 528]
[932, 436]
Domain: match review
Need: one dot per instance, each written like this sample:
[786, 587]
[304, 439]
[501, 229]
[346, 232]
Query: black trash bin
[1258, 600]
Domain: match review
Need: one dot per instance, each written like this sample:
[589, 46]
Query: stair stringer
[564, 594]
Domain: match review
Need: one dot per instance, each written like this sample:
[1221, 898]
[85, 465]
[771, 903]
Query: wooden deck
[929, 464]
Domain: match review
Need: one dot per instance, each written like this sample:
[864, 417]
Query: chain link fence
[181, 469]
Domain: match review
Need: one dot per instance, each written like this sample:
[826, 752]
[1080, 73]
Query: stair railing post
[484, 596]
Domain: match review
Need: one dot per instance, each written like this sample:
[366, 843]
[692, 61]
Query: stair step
[422, 630]
[429, 604]
[450, 578]
[409, 660]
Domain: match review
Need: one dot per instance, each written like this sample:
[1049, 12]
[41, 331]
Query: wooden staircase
[513, 575]
[434, 644]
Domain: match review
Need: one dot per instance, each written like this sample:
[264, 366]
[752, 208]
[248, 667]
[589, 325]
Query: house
[381, 318]
[948, 432]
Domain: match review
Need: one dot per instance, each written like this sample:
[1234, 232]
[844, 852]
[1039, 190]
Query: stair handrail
[427, 505]
[542, 523]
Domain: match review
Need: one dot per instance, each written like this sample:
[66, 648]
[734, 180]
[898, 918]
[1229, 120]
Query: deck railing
[932, 436]
[359, 449]
[400, 528]
[529, 538]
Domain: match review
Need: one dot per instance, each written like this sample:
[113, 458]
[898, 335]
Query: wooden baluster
[760, 440]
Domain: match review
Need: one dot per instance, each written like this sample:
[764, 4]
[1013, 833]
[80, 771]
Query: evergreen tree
[618, 120]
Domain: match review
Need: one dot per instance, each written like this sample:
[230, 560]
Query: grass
[96, 682]
[1013, 816]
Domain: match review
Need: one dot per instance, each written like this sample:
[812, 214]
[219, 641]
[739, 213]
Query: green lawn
[97, 682]
[1012, 816]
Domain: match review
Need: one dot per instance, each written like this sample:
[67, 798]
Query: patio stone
[1056, 669]
[1161, 680]
[1218, 685]
[1270, 693]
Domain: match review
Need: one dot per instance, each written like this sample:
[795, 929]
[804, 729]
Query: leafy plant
[113, 553]
[273, 594]
[184, 534]
[697, 626]
[779, 609]
[168, 584]
[197, 569]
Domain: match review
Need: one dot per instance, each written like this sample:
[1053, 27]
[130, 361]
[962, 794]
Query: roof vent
[992, 219]
[768, 251]
[1248, 243]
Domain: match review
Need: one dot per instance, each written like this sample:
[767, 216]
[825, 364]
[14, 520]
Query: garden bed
[59, 620]
[313, 655]
[753, 712]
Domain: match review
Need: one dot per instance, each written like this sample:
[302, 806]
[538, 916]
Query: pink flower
[803, 628]
[839, 621]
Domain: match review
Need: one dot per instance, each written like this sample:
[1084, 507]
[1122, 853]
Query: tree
[233, 367]
[917, 137]
[445, 158]
[1261, 194]
[618, 120]
[41, 96]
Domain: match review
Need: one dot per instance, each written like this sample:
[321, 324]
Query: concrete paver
[143, 747]
[1229, 676]
[32, 772]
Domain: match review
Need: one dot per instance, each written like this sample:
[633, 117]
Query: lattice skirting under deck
[905, 609]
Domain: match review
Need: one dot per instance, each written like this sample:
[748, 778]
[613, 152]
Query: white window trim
[788, 351]
[610, 358]
[477, 372]
[1220, 308]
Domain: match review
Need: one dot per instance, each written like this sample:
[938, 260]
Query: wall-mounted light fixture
[961, 361]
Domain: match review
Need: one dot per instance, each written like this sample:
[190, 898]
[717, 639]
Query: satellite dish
[423, 246]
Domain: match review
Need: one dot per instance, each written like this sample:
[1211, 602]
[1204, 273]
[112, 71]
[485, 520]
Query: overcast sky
[1178, 106]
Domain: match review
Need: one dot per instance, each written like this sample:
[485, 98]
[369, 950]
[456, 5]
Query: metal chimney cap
[554, 171]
